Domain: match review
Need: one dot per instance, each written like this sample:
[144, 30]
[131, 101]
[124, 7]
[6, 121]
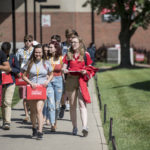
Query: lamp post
[26, 17]
[34, 18]
[92, 23]
[14, 26]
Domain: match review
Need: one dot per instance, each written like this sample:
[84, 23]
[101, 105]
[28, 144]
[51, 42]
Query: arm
[25, 78]
[50, 76]
[5, 67]
[14, 63]
[64, 68]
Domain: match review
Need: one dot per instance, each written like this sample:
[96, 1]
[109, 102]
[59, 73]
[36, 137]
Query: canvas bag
[39, 93]
[23, 92]
[0, 95]
[6, 78]
[20, 81]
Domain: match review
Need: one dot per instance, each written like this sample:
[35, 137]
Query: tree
[132, 13]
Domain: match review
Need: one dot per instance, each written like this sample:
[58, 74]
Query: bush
[101, 52]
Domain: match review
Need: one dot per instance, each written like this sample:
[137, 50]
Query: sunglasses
[27, 40]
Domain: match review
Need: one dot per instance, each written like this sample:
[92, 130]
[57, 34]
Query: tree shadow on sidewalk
[17, 109]
[59, 132]
[16, 136]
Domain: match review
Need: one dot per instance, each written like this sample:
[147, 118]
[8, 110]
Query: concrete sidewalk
[19, 137]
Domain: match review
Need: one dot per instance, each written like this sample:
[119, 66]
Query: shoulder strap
[85, 59]
[13, 61]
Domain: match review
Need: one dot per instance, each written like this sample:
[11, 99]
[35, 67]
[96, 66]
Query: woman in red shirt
[74, 65]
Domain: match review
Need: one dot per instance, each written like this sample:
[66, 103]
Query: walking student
[4, 66]
[9, 85]
[74, 66]
[40, 73]
[55, 87]
[23, 56]
[46, 56]
[65, 47]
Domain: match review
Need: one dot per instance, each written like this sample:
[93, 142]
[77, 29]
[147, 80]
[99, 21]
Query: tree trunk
[124, 38]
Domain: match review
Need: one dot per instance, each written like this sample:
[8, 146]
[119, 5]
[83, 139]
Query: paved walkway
[19, 137]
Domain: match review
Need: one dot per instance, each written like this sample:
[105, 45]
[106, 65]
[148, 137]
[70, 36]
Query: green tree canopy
[133, 14]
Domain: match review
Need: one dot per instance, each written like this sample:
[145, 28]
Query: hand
[19, 75]
[83, 72]
[45, 84]
[65, 70]
[33, 85]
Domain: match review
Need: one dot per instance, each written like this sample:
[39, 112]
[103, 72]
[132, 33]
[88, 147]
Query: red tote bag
[20, 81]
[6, 78]
[23, 92]
[39, 93]
[0, 95]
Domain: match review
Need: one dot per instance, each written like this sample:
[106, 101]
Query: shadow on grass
[121, 67]
[138, 85]
[141, 85]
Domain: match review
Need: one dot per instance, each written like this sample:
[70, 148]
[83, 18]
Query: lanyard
[25, 52]
[38, 69]
[52, 62]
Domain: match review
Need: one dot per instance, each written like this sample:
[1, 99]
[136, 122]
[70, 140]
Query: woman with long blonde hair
[74, 64]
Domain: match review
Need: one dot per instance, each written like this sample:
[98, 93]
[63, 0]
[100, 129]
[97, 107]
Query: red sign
[139, 57]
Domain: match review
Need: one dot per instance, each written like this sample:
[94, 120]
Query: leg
[46, 113]
[22, 93]
[33, 110]
[7, 101]
[83, 113]
[26, 110]
[39, 107]
[58, 90]
[51, 103]
[63, 106]
[73, 104]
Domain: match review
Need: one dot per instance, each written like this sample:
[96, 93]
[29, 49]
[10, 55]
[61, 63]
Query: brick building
[70, 14]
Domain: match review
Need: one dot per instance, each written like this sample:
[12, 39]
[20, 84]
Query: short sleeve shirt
[38, 72]
[23, 56]
[3, 59]
[76, 64]
[65, 48]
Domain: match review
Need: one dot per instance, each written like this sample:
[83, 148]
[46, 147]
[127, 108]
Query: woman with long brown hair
[55, 87]
[40, 72]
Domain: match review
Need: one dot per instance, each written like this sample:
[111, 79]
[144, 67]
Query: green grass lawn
[16, 99]
[127, 95]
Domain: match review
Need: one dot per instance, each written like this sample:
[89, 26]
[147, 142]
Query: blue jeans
[54, 94]
[46, 110]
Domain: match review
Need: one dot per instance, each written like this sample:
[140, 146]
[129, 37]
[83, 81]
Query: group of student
[61, 68]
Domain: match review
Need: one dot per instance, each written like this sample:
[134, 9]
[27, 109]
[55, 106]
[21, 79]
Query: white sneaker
[85, 132]
[67, 107]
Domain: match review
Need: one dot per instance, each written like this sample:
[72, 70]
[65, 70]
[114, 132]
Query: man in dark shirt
[4, 64]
